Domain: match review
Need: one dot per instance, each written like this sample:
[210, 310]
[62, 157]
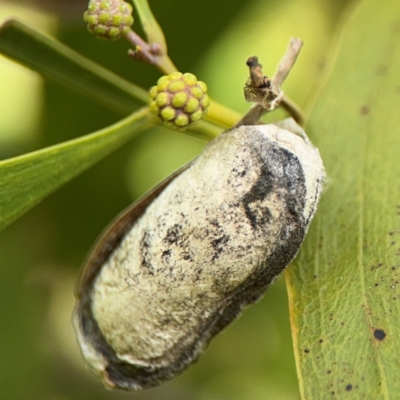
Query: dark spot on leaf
[321, 340]
[349, 387]
[306, 351]
[364, 110]
[379, 334]
[329, 371]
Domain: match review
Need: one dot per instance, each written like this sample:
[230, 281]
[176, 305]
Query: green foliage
[59, 63]
[344, 287]
[150, 25]
[27, 179]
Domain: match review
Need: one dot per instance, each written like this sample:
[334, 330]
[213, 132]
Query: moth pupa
[184, 261]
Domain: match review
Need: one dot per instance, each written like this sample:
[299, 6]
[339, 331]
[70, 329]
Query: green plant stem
[166, 65]
[221, 115]
[204, 130]
[150, 25]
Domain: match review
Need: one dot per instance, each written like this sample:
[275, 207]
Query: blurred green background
[41, 254]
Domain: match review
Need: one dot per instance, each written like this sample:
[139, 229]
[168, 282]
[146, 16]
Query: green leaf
[57, 62]
[344, 289]
[27, 179]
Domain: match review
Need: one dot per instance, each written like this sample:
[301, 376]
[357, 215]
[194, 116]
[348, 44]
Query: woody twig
[266, 93]
[149, 53]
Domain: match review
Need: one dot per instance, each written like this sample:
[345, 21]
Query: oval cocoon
[182, 263]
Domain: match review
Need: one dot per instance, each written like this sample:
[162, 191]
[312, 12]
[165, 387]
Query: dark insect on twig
[266, 92]
[258, 88]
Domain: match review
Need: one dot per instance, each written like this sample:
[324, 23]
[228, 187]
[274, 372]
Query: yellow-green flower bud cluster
[179, 100]
[108, 19]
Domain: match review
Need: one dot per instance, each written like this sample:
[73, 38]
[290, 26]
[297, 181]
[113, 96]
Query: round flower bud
[108, 19]
[179, 100]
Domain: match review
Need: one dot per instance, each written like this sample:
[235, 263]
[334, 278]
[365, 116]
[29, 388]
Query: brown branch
[267, 93]
[293, 110]
[287, 62]
[149, 53]
[143, 51]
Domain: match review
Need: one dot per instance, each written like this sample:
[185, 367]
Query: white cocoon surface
[183, 262]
